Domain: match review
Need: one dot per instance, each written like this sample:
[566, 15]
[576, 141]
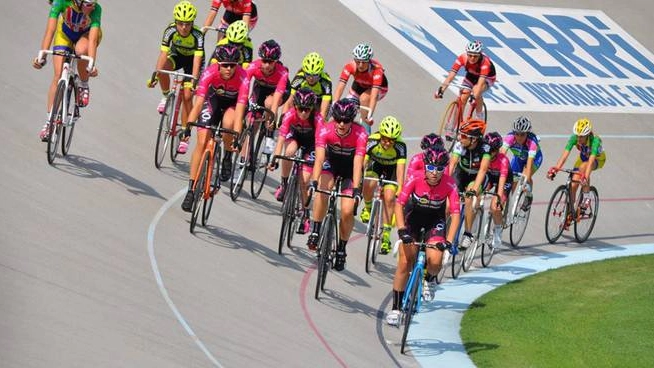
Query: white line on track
[160, 283]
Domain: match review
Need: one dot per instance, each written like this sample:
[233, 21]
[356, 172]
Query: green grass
[599, 314]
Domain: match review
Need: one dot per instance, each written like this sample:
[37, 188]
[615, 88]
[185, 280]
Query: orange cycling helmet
[473, 127]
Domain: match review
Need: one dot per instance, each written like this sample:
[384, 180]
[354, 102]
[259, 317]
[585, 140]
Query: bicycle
[516, 217]
[170, 132]
[561, 212]
[250, 157]
[455, 113]
[292, 206]
[413, 290]
[375, 226]
[450, 260]
[329, 234]
[482, 231]
[62, 119]
[207, 181]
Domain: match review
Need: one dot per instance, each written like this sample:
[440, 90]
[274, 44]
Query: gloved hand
[151, 82]
[356, 194]
[404, 235]
[273, 165]
[442, 246]
[313, 185]
[551, 173]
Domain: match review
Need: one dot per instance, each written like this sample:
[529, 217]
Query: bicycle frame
[374, 228]
[292, 199]
[455, 114]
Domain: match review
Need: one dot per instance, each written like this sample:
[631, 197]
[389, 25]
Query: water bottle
[269, 146]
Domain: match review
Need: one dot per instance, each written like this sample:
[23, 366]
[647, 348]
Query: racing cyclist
[385, 156]
[343, 145]
[422, 204]
[244, 10]
[500, 176]
[312, 75]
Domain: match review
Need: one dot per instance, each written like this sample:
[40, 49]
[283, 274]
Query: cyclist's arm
[50, 28]
[193, 115]
[340, 87]
[374, 92]
[161, 61]
[324, 106]
[399, 176]
[562, 159]
[454, 209]
[317, 164]
[197, 64]
[399, 215]
[94, 35]
[481, 174]
[528, 171]
[454, 160]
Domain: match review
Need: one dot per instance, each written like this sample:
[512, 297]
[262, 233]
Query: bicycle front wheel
[198, 191]
[259, 164]
[325, 253]
[163, 133]
[450, 125]
[374, 234]
[72, 114]
[585, 218]
[412, 302]
[55, 122]
[240, 161]
[519, 220]
[214, 186]
[289, 205]
[487, 249]
[557, 214]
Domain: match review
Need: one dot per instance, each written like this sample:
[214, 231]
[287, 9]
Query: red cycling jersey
[236, 6]
[278, 79]
[483, 67]
[236, 88]
[374, 76]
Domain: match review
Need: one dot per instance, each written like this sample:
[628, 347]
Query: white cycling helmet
[474, 47]
[362, 51]
[522, 124]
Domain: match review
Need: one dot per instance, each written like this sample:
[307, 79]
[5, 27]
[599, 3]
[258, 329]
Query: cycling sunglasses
[228, 65]
[342, 122]
[304, 109]
[434, 168]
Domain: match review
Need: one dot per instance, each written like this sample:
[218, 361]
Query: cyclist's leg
[368, 191]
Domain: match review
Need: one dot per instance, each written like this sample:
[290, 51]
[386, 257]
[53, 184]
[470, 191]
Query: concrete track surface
[97, 266]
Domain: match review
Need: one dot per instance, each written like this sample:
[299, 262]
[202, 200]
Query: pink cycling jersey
[236, 88]
[342, 149]
[432, 198]
[278, 79]
[499, 166]
[417, 164]
[236, 6]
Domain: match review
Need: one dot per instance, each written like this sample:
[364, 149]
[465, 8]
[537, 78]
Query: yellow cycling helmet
[184, 11]
[313, 63]
[237, 32]
[390, 127]
[582, 127]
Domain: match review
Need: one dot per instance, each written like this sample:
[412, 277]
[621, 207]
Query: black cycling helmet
[305, 98]
[270, 50]
[227, 54]
[345, 109]
[431, 140]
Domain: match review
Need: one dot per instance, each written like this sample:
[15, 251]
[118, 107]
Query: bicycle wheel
[470, 253]
[240, 164]
[198, 191]
[297, 210]
[373, 234]
[585, 221]
[487, 249]
[176, 135]
[325, 253]
[288, 214]
[410, 307]
[214, 183]
[557, 213]
[56, 116]
[457, 259]
[69, 120]
[163, 133]
[450, 125]
[469, 112]
[445, 260]
[519, 221]
[259, 163]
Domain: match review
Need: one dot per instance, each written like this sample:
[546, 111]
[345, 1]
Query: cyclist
[480, 75]
[182, 47]
[422, 204]
[431, 140]
[74, 26]
[298, 131]
[500, 175]
[527, 155]
[221, 98]
[244, 10]
[343, 145]
[312, 75]
[385, 156]
[370, 84]
[237, 34]
[591, 157]
[469, 163]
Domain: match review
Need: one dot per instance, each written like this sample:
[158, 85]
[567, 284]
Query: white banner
[547, 59]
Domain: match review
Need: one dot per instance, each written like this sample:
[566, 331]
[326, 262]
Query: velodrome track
[97, 267]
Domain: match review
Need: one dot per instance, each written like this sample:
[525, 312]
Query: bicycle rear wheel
[71, 117]
[163, 133]
[176, 134]
[450, 125]
[325, 253]
[373, 234]
[214, 183]
[240, 164]
[557, 214]
[259, 163]
[487, 249]
[519, 221]
[198, 191]
[411, 304]
[469, 254]
[585, 219]
[288, 214]
[55, 122]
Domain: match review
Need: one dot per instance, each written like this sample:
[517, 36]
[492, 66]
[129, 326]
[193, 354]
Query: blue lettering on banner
[578, 60]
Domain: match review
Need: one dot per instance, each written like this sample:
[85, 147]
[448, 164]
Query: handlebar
[216, 129]
[292, 159]
[381, 181]
[66, 54]
[204, 29]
